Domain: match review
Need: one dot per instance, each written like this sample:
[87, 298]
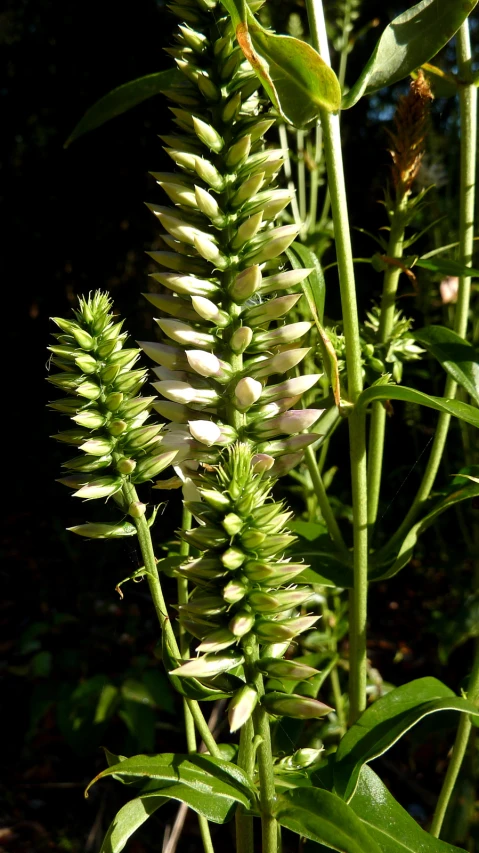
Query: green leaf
[459, 358]
[446, 266]
[466, 413]
[123, 98]
[208, 785]
[381, 725]
[388, 823]
[407, 42]
[381, 568]
[314, 287]
[128, 820]
[323, 817]
[296, 79]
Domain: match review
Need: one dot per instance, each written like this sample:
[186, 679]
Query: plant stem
[323, 501]
[357, 423]
[314, 179]
[283, 140]
[386, 320]
[468, 146]
[264, 753]
[246, 758]
[458, 752]
[146, 547]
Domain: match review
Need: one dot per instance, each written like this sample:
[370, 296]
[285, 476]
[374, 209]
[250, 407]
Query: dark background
[73, 220]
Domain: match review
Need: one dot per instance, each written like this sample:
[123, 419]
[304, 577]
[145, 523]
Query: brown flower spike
[410, 121]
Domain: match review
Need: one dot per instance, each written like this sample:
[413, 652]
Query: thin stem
[314, 180]
[386, 320]
[146, 547]
[468, 134]
[246, 759]
[269, 826]
[458, 752]
[283, 140]
[323, 500]
[357, 424]
[301, 175]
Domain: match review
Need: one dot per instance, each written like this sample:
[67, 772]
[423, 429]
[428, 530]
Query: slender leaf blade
[324, 818]
[461, 410]
[381, 725]
[458, 357]
[409, 41]
[123, 98]
[127, 820]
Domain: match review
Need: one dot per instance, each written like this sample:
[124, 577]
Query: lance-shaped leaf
[381, 725]
[210, 786]
[459, 358]
[130, 817]
[408, 42]
[324, 818]
[466, 413]
[381, 567]
[123, 98]
[296, 79]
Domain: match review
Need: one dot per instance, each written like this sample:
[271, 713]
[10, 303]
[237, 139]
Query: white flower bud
[247, 391]
[241, 339]
[206, 432]
[208, 173]
[209, 251]
[290, 422]
[298, 385]
[209, 311]
[207, 204]
[238, 152]
[278, 240]
[246, 283]
[261, 463]
[175, 412]
[184, 334]
[217, 641]
[181, 392]
[204, 363]
[247, 230]
[279, 363]
[284, 280]
[191, 493]
[169, 357]
[208, 135]
[247, 190]
[185, 285]
[176, 192]
[178, 229]
[271, 310]
[283, 335]
[209, 665]
[182, 159]
[241, 707]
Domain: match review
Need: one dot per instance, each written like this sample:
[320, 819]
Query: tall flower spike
[224, 274]
[110, 416]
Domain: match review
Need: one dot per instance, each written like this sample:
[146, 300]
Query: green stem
[314, 180]
[269, 826]
[386, 320]
[246, 759]
[301, 175]
[283, 140]
[357, 424]
[468, 134]
[458, 752]
[323, 501]
[146, 547]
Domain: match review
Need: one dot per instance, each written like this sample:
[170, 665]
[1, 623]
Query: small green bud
[232, 523]
[217, 641]
[210, 251]
[272, 573]
[247, 190]
[241, 339]
[109, 373]
[136, 509]
[208, 89]
[207, 204]
[278, 241]
[245, 284]
[238, 152]
[208, 135]
[107, 348]
[286, 669]
[131, 381]
[231, 65]
[285, 280]
[86, 363]
[271, 310]
[89, 389]
[186, 285]
[209, 311]
[137, 438]
[193, 39]
[209, 665]
[279, 601]
[209, 174]
[247, 231]
[294, 705]
[269, 631]
[98, 446]
[126, 466]
[287, 334]
[82, 337]
[205, 537]
[104, 487]
[231, 108]
[234, 591]
[71, 436]
[215, 499]
[182, 159]
[87, 463]
[252, 539]
[279, 363]
[117, 427]
[241, 707]
[149, 467]
[233, 558]
[204, 567]
[261, 463]
[114, 401]
[241, 623]
[101, 530]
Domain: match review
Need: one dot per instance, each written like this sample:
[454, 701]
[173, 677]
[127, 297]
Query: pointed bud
[217, 641]
[207, 204]
[182, 392]
[290, 422]
[203, 363]
[289, 445]
[272, 573]
[292, 387]
[126, 466]
[210, 252]
[136, 509]
[247, 392]
[114, 401]
[285, 464]
[208, 135]
[171, 357]
[209, 311]
[284, 280]
[283, 335]
[182, 159]
[241, 339]
[245, 284]
[90, 419]
[241, 707]
[178, 193]
[184, 334]
[233, 558]
[150, 466]
[279, 601]
[234, 591]
[231, 108]
[205, 537]
[89, 389]
[247, 230]
[271, 310]
[247, 190]
[217, 500]
[269, 631]
[241, 623]
[140, 436]
[175, 412]
[238, 152]
[206, 432]
[274, 203]
[184, 285]
[261, 463]
[278, 240]
[286, 669]
[232, 523]
[279, 363]
[97, 446]
[178, 228]
[88, 463]
[208, 88]
[101, 488]
[100, 530]
[86, 363]
[203, 605]
[294, 705]
[209, 665]
[208, 173]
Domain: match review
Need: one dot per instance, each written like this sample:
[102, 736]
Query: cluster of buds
[244, 587]
[225, 293]
[102, 385]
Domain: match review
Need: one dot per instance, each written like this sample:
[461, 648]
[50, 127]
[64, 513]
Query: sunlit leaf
[459, 358]
[409, 41]
[461, 410]
[381, 725]
[130, 817]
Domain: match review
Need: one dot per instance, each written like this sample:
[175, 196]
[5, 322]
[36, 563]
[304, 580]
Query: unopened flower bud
[86, 363]
[247, 230]
[241, 339]
[208, 88]
[287, 334]
[101, 530]
[181, 392]
[286, 669]
[247, 392]
[205, 537]
[271, 310]
[86, 464]
[136, 509]
[279, 363]
[297, 385]
[207, 204]
[290, 422]
[208, 135]
[217, 641]
[285, 464]
[210, 251]
[233, 558]
[150, 466]
[209, 665]
[126, 466]
[90, 419]
[184, 334]
[234, 591]
[203, 363]
[89, 389]
[232, 523]
[208, 173]
[216, 499]
[209, 311]
[245, 284]
[284, 280]
[97, 446]
[289, 445]
[272, 573]
[231, 108]
[247, 190]
[103, 487]
[241, 623]
[261, 463]
[278, 240]
[241, 707]
[184, 285]
[206, 432]
[252, 539]
[238, 152]
[278, 601]
[182, 158]
[270, 631]
[171, 357]
[294, 705]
